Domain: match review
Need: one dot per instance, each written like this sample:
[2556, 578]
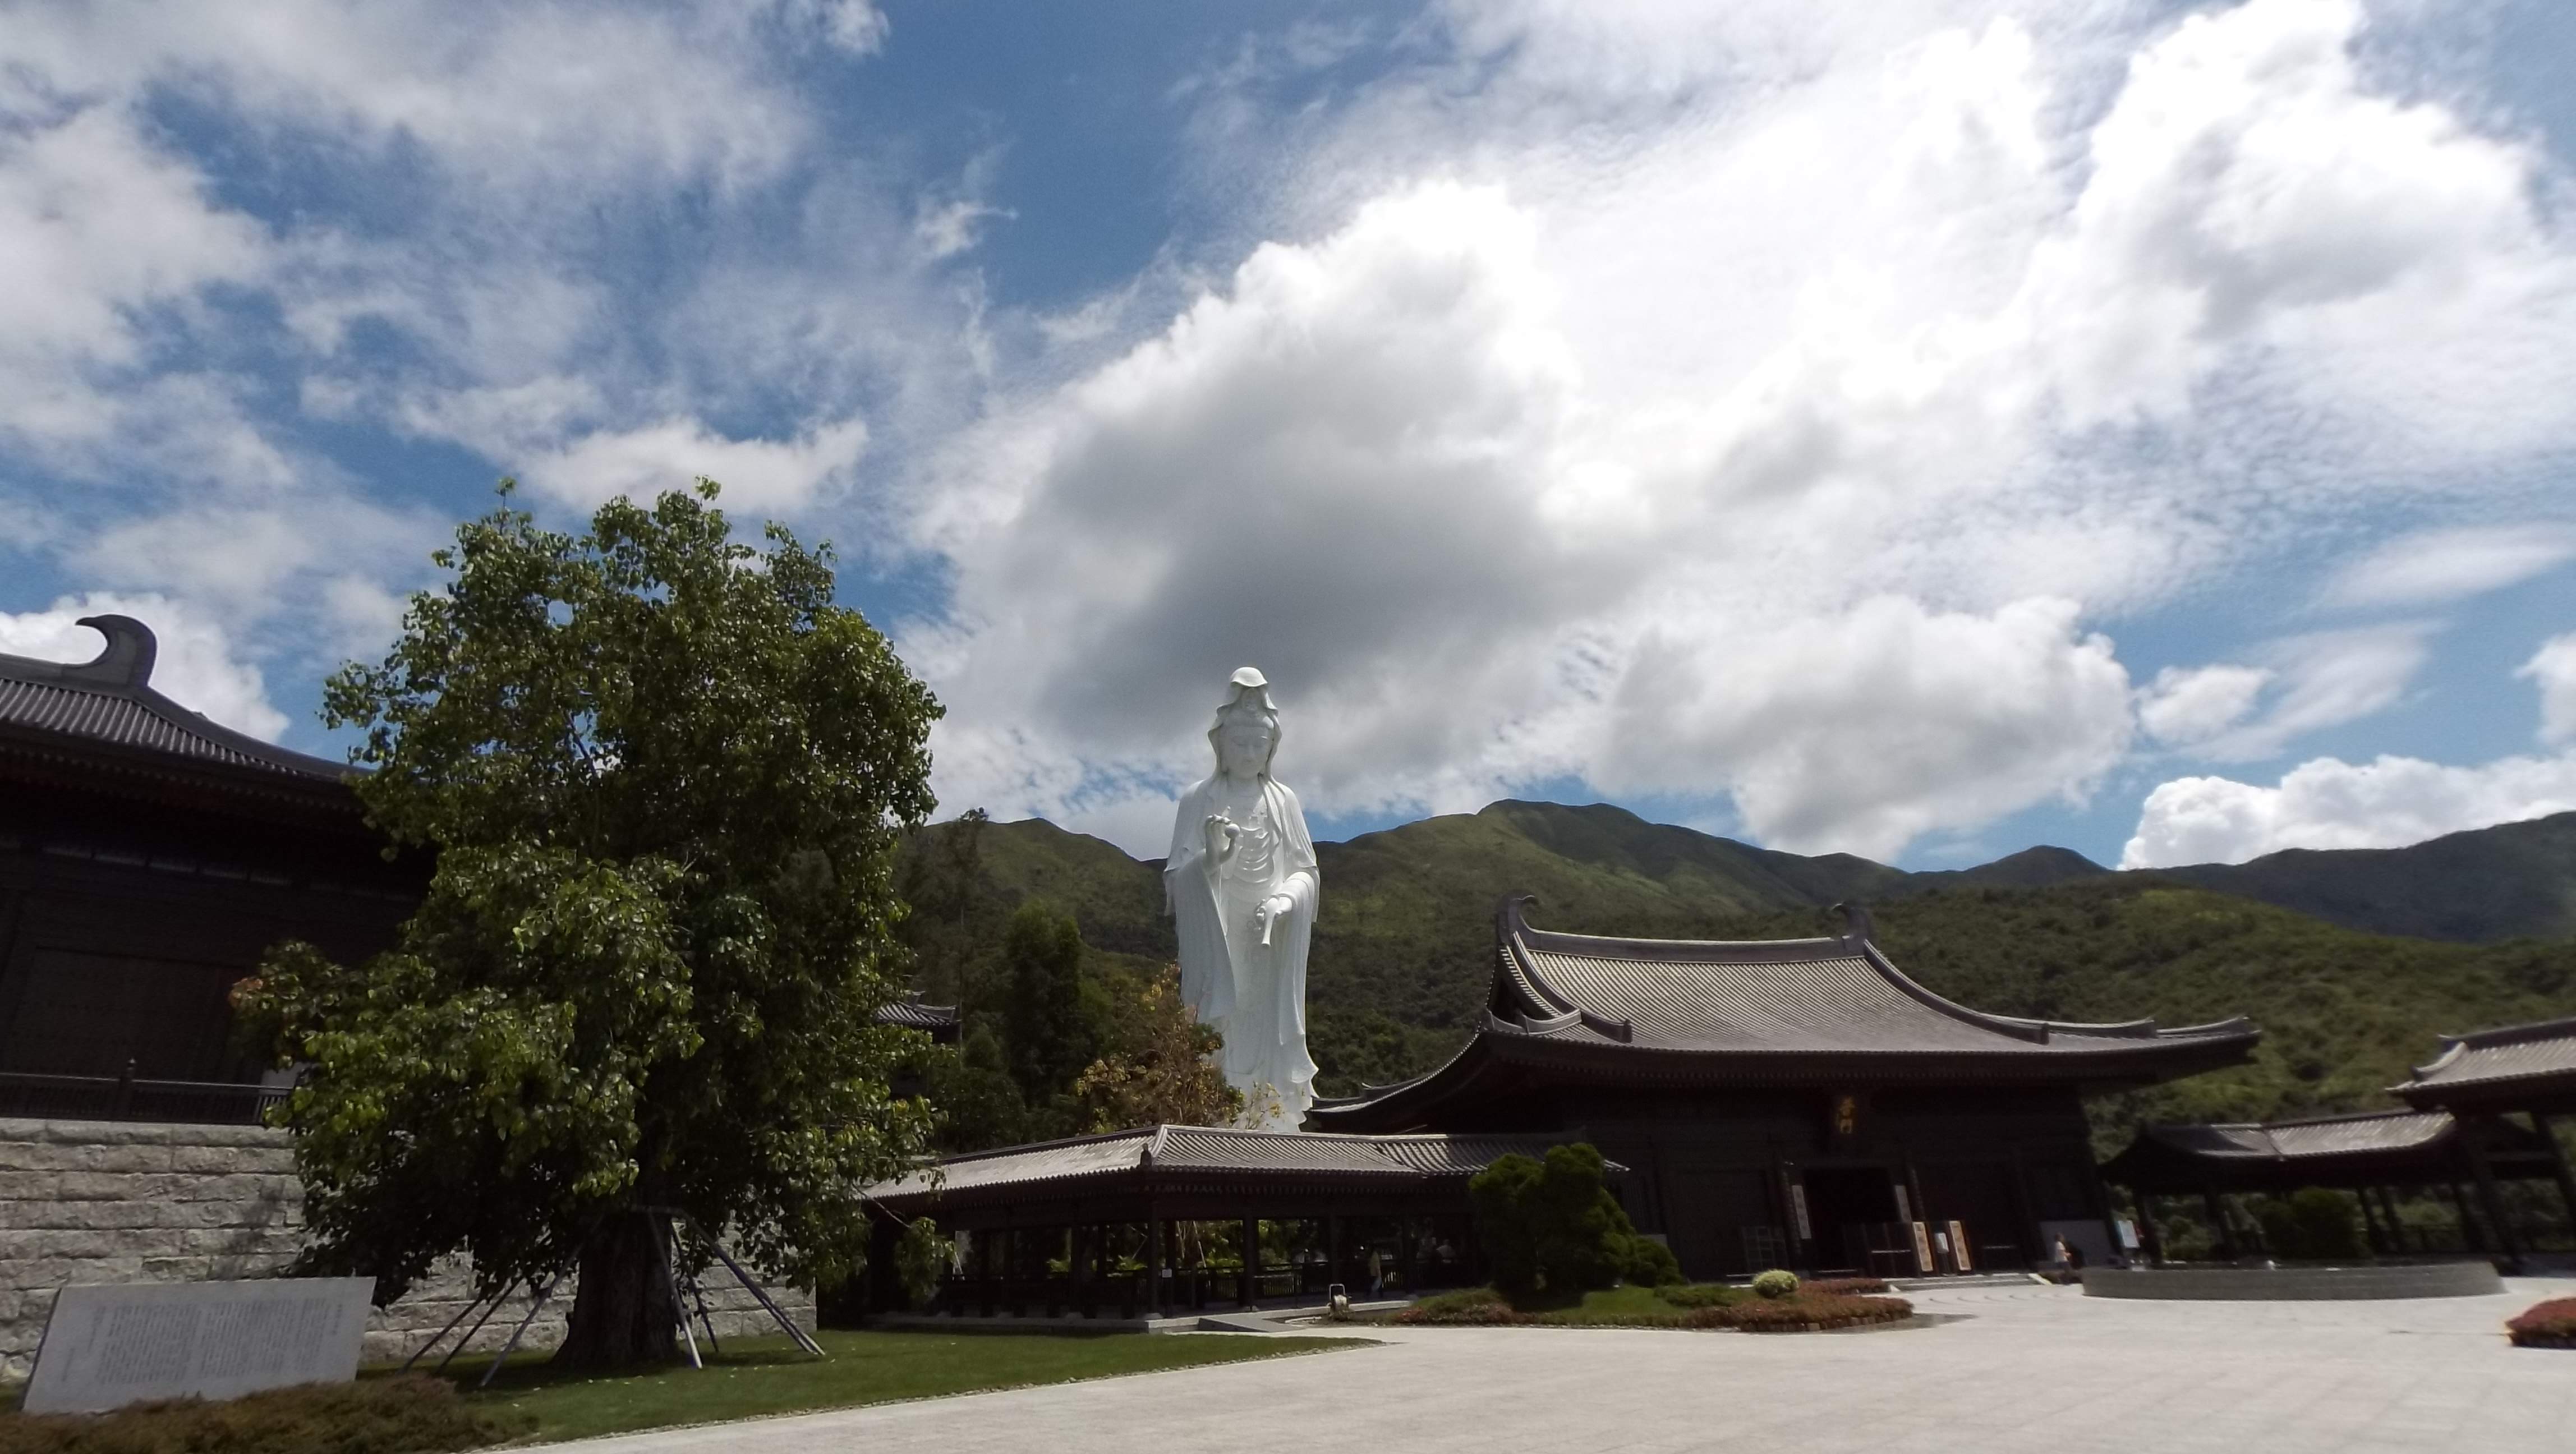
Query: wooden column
[1153, 1263]
[2469, 1232]
[2370, 1223]
[2217, 1210]
[1248, 1287]
[2489, 1202]
[1333, 1254]
[2548, 1129]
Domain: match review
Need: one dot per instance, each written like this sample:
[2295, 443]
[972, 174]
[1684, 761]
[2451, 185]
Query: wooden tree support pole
[802, 1339]
[441, 1335]
[534, 1306]
[666, 1240]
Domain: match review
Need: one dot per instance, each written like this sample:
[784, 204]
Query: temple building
[1795, 1102]
[148, 858]
[2480, 1116]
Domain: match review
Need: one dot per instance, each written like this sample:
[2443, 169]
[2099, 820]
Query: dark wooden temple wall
[124, 924]
[1706, 1165]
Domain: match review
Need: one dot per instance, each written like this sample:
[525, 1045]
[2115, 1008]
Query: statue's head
[1246, 734]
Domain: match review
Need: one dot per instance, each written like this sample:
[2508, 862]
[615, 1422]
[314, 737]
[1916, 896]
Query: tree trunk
[622, 1314]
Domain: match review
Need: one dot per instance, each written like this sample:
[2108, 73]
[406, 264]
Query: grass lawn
[769, 1376]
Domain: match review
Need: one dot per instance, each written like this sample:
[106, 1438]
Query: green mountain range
[2352, 961]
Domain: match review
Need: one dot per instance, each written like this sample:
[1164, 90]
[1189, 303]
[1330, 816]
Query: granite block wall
[115, 1201]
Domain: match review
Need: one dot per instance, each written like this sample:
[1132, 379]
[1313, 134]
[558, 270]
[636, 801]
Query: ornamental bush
[410, 1414]
[2545, 1324]
[1553, 1227]
[1776, 1283]
[1843, 1286]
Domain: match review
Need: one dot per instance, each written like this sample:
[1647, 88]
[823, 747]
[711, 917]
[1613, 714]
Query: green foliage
[1701, 1295]
[405, 1415]
[2312, 1224]
[974, 1095]
[664, 777]
[1553, 1227]
[1049, 1039]
[1650, 1264]
[1403, 950]
[1775, 1284]
[1160, 1068]
[922, 1257]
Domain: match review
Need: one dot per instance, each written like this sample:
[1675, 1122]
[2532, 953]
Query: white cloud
[2329, 803]
[2554, 668]
[758, 474]
[1755, 401]
[2444, 565]
[2326, 679]
[196, 665]
[1862, 732]
[2187, 706]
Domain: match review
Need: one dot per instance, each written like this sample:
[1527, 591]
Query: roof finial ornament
[1856, 921]
[127, 662]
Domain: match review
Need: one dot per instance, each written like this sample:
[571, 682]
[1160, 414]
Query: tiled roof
[1213, 1149]
[2359, 1135]
[914, 1015]
[1765, 996]
[110, 703]
[2486, 1061]
[1757, 1011]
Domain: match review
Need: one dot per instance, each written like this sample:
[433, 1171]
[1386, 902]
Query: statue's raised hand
[1221, 833]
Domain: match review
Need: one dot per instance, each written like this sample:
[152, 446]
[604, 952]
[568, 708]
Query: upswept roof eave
[1545, 1007]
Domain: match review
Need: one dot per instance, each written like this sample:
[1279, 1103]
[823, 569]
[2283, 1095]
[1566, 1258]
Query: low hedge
[1844, 1286]
[403, 1415]
[1808, 1313]
[2550, 1324]
[1704, 1306]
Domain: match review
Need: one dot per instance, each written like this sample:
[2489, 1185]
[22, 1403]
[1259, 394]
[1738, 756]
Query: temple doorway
[1846, 1207]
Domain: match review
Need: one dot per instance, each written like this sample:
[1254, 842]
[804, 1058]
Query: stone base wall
[115, 1201]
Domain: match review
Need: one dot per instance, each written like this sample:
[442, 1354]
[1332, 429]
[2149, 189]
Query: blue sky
[1918, 429]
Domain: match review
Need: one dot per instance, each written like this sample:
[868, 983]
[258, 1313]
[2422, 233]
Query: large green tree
[663, 777]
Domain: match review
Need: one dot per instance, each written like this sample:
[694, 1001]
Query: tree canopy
[663, 776]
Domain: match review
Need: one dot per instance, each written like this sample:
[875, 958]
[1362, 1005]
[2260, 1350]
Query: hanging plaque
[1798, 1211]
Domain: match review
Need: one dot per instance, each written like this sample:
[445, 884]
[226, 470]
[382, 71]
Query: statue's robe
[1253, 993]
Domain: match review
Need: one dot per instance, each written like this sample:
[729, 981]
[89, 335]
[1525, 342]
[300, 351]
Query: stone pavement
[2024, 1368]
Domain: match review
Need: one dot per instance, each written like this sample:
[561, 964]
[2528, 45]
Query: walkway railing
[25, 1095]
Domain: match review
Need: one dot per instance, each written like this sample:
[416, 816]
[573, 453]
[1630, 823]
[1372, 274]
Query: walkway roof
[2514, 1068]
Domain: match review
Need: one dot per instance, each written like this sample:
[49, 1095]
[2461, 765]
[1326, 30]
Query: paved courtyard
[2019, 1368]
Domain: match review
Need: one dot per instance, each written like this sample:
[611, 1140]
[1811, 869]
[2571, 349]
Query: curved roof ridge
[110, 700]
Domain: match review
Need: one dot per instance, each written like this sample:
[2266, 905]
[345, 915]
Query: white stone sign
[110, 1345]
[1242, 884]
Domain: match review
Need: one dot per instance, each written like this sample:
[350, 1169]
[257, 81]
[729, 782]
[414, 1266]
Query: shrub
[1795, 1314]
[1651, 1264]
[2545, 1324]
[405, 1415]
[1843, 1286]
[1467, 1305]
[1553, 1226]
[1776, 1284]
[1701, 1295]
[2312, 1223]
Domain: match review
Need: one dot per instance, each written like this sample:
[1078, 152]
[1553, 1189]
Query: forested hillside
[1404, 944]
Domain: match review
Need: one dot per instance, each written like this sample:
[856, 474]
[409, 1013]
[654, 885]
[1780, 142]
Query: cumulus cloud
[2553, 667]
[2185, 706]
[197, 664]
[2324, 679]
[2329, 803]
[2444, 565]
[1781, 443]
[758, 474]
[2386, 803]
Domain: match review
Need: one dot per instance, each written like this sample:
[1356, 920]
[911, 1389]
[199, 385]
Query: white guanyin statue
[1241, 886]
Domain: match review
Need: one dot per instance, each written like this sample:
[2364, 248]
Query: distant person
[1377, 1272]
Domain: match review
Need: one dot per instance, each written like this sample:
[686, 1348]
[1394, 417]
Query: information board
[110, 1345]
